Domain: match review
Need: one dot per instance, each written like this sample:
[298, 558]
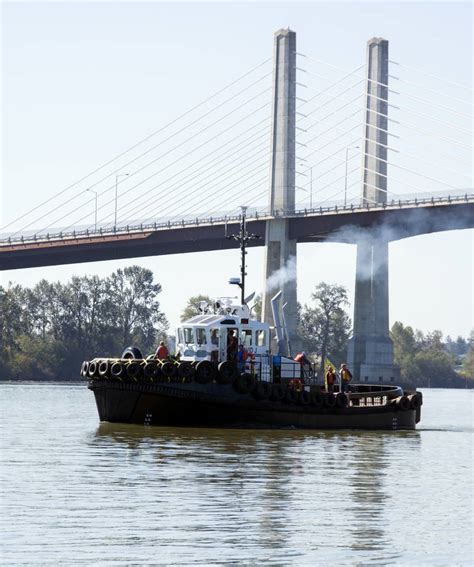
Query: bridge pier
[370, 352]
[280, 250]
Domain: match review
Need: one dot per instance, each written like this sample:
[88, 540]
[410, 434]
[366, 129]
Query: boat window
[201, 336]
[246, 337]
[260, 338]
[180, 336]
[188, 335]
[214, 336]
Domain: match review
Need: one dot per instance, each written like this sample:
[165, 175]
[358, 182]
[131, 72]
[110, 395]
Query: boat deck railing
[360, 395]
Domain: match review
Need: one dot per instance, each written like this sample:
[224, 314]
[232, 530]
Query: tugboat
[204, 385]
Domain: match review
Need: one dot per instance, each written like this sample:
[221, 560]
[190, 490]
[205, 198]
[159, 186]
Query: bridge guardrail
[223, 220]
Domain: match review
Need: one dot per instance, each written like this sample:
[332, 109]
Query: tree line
[431, 361]
[47, 330]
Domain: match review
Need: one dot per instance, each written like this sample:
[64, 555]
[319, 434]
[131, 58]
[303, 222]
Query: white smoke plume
[413, 223]
[286, 273]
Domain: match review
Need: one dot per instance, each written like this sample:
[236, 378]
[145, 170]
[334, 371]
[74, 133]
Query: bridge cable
[143, 140]
[154, 160]
[206, 167]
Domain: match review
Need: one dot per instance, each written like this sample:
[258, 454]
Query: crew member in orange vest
[162, 352]
[303, 360]
[345, 376]
[330, 379]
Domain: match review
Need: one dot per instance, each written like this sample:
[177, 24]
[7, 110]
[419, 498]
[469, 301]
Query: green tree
[468, 362]
[12, 325]
[192, 307]
[434, 340]
[325, 327]
[46, 330]
[423, 359]
[461, 345]
[405, 346]
[134, 307]
[433, 367]
[468, 365]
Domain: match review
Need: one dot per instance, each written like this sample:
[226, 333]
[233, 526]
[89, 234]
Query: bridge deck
[392, 221]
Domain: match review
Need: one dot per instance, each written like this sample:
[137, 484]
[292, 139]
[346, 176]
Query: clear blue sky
[83, 81]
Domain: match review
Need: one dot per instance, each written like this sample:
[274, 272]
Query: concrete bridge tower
[370, 353]
[280, 249]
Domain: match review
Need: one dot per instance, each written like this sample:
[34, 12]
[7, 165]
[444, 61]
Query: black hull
[213, 405]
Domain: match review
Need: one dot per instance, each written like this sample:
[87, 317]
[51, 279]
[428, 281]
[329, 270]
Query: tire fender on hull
[132, 352]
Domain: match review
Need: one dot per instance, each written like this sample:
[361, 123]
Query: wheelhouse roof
[211, 319]
[203, 320]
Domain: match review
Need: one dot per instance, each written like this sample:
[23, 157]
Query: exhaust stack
[285, 329]
[278, 326]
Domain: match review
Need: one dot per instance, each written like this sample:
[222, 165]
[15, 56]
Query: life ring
[330, 401]
[227, 371]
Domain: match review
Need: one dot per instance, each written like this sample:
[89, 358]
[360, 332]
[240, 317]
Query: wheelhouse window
[246, 337]
[180, 336]
[201, 336]
[214, 336]
[260, 338]
[188, 333]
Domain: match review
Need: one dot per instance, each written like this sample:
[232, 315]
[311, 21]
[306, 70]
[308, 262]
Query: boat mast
[242, 238]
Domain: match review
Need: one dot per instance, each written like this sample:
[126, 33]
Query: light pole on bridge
[95, 214]
[310, 167]
[348, 149]
[116, 196]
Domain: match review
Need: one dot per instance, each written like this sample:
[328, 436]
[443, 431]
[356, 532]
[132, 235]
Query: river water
[76, 492]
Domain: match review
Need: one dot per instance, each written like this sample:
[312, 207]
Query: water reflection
[284, 488]
[372, 493]
[246, 474]
[135, 495]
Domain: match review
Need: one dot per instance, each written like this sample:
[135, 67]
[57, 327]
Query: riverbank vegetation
[47, 331]
[429, 360]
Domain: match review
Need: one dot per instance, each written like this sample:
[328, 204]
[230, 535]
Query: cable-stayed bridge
[336, 223]
[365, 155]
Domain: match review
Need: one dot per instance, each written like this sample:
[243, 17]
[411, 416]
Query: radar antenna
[242, 238]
